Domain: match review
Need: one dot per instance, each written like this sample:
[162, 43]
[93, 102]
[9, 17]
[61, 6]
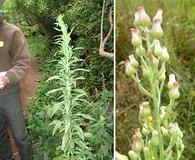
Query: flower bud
[154, 139]
[145, 131]
[158, 15]
[171, 81]
[146, 72]
[174, 92]
[145, 110]
[157, 31]
[133, 61]
[165, 55]
[138, 133]
[137, 143]
[174, 129]
[162, 72]
[143, 19]
[157, 48]
[153, 59]
[136, 20]
[146, 151]
[121, 156]
[164, 131]
[129, 69]
[162, 112]
[136, 39]
[140, 51]
[133, 155]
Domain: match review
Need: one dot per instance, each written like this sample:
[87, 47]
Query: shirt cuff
[12, 78]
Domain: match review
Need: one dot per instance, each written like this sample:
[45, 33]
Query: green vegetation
[179, 30]
[159, 136]
[91, 118]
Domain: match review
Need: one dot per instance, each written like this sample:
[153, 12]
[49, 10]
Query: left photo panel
[56, 80]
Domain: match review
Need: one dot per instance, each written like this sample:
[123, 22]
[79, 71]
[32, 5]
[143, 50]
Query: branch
[102, 51]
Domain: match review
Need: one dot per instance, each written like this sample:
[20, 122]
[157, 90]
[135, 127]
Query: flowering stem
[156, 102]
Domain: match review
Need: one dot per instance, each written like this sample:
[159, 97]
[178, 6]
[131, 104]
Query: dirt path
[28, 87]
[29, 84]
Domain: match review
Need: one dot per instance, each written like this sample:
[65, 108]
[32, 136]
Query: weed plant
[160, 136]
[65, 114]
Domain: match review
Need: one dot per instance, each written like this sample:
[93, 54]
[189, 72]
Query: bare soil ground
[28, 88]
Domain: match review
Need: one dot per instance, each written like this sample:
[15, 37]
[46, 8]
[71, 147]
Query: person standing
[14, 63]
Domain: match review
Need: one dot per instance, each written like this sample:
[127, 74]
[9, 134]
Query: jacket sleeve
[20, 58]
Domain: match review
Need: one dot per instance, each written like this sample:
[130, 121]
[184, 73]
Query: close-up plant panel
[153, 122]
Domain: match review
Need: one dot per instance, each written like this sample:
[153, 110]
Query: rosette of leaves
[160, 137]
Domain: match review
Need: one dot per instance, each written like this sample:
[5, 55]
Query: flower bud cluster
[155, 120]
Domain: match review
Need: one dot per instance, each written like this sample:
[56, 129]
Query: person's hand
[3, 82]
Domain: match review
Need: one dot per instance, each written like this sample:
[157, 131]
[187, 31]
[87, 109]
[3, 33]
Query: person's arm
[20, 59]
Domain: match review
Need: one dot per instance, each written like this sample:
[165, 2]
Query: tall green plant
[160, 137]
[65, 111]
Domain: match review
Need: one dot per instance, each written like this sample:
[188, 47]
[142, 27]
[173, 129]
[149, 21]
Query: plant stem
[142, 89]
[156, 110]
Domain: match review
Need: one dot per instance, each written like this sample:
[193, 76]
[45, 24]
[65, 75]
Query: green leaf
[54, 90]
[65, 141]
[80, 132]
[57, 125]
[53, 78]
[55, 108]
[67, 125]
[86, 116]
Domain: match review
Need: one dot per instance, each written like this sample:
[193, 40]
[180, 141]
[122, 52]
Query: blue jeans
[11, 115]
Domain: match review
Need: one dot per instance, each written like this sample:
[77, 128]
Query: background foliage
[37, 20]
[179, 31]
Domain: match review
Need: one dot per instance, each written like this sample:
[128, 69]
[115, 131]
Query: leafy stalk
[66, 117]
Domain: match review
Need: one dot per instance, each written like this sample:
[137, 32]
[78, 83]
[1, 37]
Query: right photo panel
[155, 80]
